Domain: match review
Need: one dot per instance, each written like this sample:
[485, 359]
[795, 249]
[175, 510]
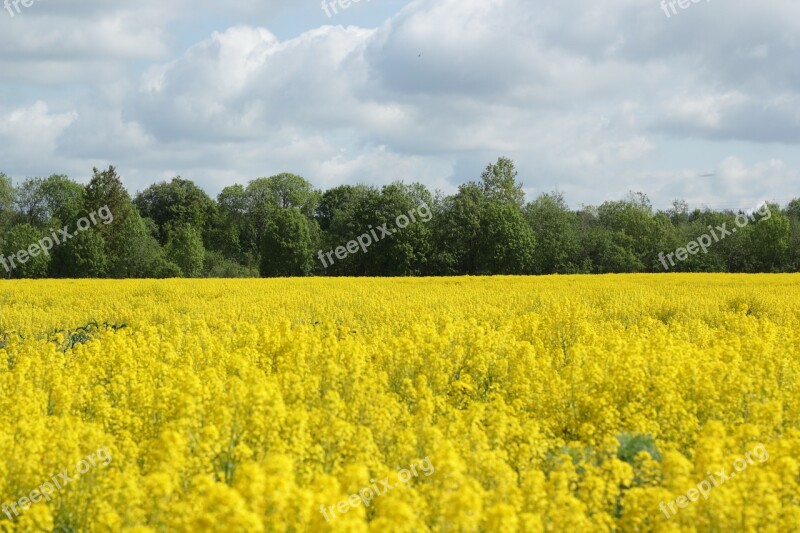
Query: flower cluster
[545, 404]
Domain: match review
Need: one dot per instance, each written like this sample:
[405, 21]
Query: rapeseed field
[613, 403]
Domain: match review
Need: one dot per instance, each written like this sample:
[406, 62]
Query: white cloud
[592, 97]
[27, 132]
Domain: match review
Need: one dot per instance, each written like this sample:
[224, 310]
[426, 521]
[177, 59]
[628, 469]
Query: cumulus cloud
[27, 132]
[579, 93]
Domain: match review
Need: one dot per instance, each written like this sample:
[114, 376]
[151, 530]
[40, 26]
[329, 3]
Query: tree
[264, 195]
[29, 202]
[105, 189]
[793, 214]
[6, 203]
[286, 247]
[337, 208]
[50, 202]
[506, 243]
[482, 230]
[610, 251]
[769, 240]
[179, 202]
[227, 234]
[679, 212]
[19, 239]
[694, 227]
[82, 256]
[63, 200]
[456, 231]
[290, 190]
[727, 253]
[633, 239]
[216, 266]
[793, 209]
[185, 249]
[141, 256]
[500, 185]
[405, 212]
[557, 236]
[336, 216]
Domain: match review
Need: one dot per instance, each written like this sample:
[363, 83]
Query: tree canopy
[283, 226]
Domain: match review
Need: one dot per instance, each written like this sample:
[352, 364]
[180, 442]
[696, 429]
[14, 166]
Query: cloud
[27, 132]
[579, 93]
[71, 40]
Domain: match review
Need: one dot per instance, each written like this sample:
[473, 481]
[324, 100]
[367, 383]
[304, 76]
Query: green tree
[29, 202]
[609, 251]
[336, 216]
[457, 230]
[82, 256]
[105, 189]
[727, 253]
[557, 234]
[692, 228]
[286, 247]
[770, 239]
[50, 202]
[290, 190]
[6, 204]
[678, 213]
[482, 230]
[215, 265]
[179, 202]
[264, 196]
[19, 239]
[337, 208]
[506, 243]
[63, 200]
[792, 212]
[229, 232]
[629, 238]
[500, 183]
[141, 256]
[793, 209]
[402, 253]
[185, 249]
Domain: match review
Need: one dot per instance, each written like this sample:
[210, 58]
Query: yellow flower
[542, 404]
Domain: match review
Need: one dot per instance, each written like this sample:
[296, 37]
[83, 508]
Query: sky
[594, 99]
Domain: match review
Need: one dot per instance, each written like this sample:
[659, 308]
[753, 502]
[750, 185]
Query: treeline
[283, 226]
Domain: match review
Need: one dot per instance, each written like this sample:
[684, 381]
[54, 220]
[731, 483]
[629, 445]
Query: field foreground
[631, 403]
